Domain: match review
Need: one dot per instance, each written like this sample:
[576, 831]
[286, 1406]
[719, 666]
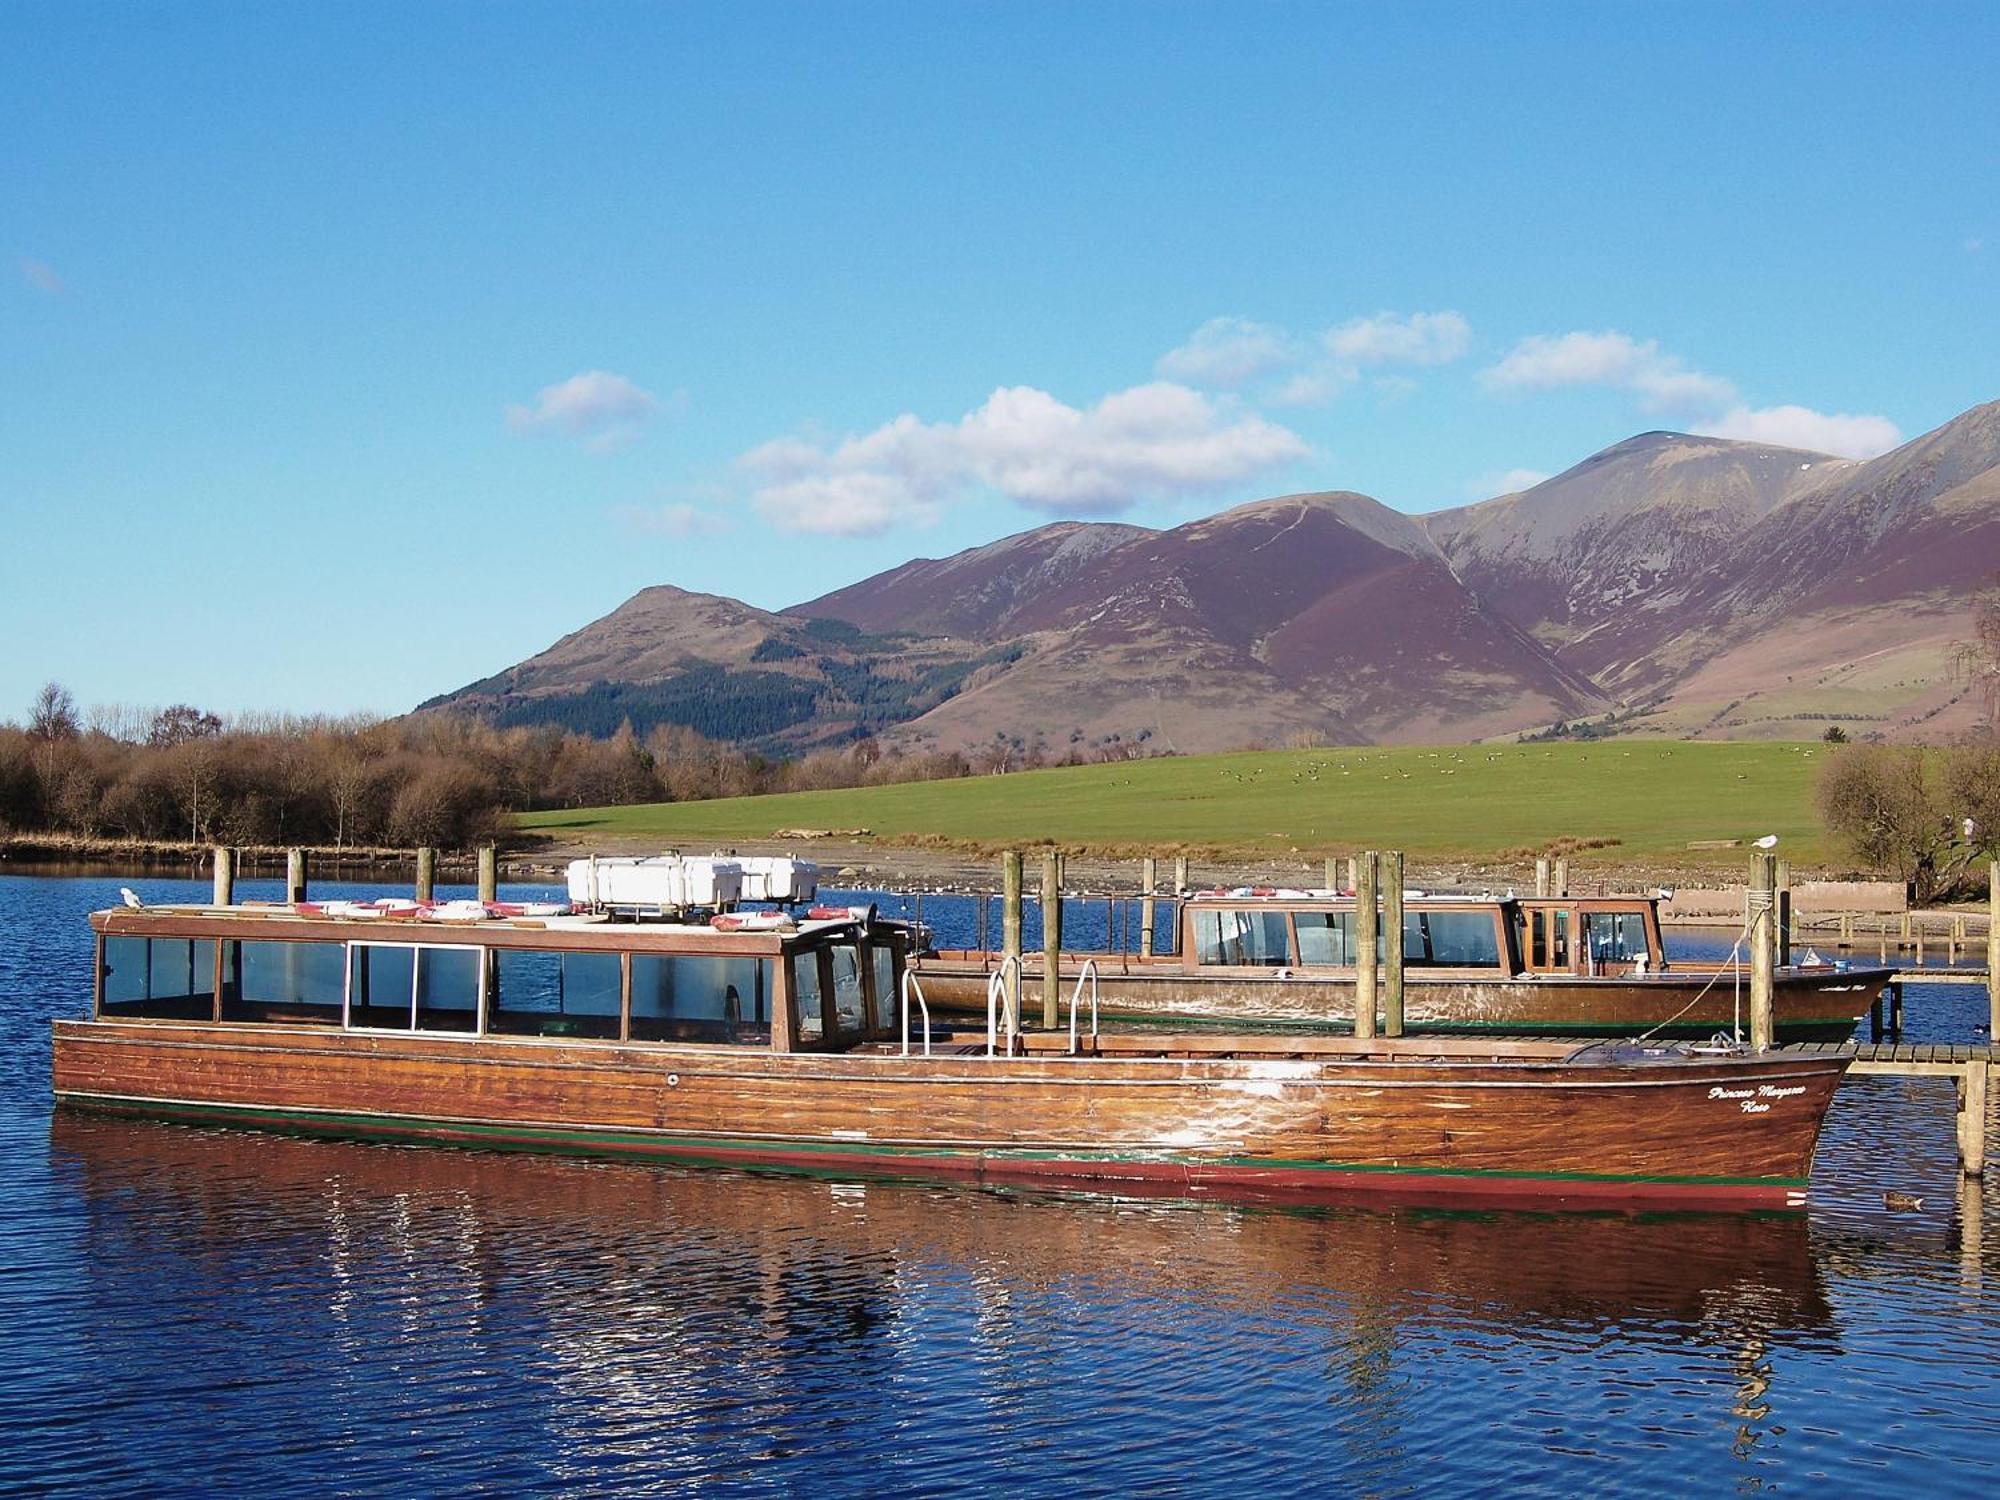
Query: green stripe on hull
[832, 1153]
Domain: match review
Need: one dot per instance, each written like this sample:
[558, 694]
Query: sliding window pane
[447, 989]
[299, 982]
[555, 994]
[380, 982]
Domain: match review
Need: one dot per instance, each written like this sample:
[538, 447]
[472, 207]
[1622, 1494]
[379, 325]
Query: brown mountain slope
[1600, 561]
[1849, 602]
[1322, 615]
[974, 594]
[726, 669]
[1705, 586]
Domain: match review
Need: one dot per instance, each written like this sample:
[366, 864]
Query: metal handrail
[1089, 973]
[911, 987]
[996, 990]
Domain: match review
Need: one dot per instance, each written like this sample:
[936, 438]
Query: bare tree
[53, 716]
[1978, 660]
[1925, 814]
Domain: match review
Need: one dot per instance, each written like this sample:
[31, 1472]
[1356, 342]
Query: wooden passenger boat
[788, 1048]
[1474, 965]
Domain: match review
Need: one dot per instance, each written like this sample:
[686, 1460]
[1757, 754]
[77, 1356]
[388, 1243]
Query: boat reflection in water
[669, 1311]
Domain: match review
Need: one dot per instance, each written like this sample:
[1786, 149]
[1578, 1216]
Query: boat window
[298, 982]
[395, 986]
[379, 985]
[165, 978]
[1614, 936]
[448, 989]
[1451, 939]
[1249, 938]
[805, 996]
[1548, 939]
[537, 993]
[888, 1003]
[1325, 937]
[847, 1006]
[693, 998]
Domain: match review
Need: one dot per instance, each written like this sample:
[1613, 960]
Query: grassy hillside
[1462, 801]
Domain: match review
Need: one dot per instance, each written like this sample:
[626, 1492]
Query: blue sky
[348, 354]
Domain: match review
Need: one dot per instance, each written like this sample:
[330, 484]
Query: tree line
[185, 775]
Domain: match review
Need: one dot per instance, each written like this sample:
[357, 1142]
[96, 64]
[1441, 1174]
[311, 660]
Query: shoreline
[884, 864]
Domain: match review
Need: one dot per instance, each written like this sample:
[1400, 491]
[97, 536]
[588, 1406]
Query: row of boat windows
[1442, 939]
[527, 992]
[1431, 939]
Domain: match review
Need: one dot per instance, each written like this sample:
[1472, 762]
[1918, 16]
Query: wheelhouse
[821, 986]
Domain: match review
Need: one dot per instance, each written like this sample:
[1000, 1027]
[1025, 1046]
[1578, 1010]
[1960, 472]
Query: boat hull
[1732, 1133]
[1808, 1005]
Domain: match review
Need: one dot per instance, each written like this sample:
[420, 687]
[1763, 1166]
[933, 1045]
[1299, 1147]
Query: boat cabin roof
[1321, 900]
[582, 931]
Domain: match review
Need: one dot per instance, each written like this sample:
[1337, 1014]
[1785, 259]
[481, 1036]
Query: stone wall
[1809, 897]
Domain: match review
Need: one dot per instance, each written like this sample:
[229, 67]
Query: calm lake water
[189, 1311]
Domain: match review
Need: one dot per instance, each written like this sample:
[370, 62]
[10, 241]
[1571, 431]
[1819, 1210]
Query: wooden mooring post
[1993, 951]
[489, 873]
[1052, 926]
[1392, 943]
[1181, 877]
[427, 869]
[1364, 945]
[295, 876]
[1010, 933]
[1559, 878]
[1542, 885]
[225, 876]
[1781, 878]
[1763, 948]
[1149, 876]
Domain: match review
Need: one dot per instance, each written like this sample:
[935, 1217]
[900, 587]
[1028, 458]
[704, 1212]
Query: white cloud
[1227, 352]
[1314, 387]
[676, 519]
[1802, 427]
[603, 408]
[1504, 482]
[1152, 440]
[1390, 339]
[1663, 382]
[42, 277]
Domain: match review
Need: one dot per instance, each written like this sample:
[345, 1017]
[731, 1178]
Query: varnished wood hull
[1526, 1129]
[1809, 1005]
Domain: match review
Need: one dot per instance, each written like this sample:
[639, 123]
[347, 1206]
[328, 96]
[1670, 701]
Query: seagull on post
[1768, 841]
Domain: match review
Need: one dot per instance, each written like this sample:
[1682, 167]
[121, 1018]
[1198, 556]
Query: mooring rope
[1736, 998]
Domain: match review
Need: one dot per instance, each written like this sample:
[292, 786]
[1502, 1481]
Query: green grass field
[1455, 802]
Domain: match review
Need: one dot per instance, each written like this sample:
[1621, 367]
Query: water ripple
[186, 1310]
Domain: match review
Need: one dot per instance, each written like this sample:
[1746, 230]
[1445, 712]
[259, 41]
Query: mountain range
[1673, 584]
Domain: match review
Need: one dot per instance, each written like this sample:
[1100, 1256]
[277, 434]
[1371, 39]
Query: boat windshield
[1615, 936]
